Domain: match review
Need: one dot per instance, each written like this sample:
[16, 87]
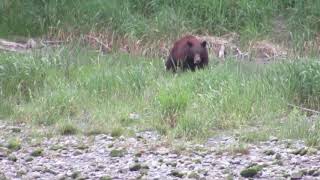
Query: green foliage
[67, 128]
[300, 81]
[14, 144]
[173, 100]
[116, 132]
[99, 93]
[297, 126]
[22, 75]
[156, 18]
[54, 106]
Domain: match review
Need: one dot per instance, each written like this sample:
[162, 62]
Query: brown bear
[188, 53]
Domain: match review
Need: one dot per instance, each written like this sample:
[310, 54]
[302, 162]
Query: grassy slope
[154, 19]
[89, 93]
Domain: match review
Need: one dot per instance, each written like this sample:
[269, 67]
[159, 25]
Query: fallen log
[17, 47]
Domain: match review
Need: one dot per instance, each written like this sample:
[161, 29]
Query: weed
[173, 103]
[14, 144]
[67, 128]
[116, 132]
[97, 97]
[238, 149]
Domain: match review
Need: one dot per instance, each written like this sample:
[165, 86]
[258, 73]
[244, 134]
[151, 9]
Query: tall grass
[157, 18]
[98, 94]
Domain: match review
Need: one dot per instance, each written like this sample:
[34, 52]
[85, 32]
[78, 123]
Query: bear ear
[189, 43]
[204, 43]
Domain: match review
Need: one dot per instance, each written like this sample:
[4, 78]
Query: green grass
[67, 128]
[156, 19]
[14, 144]
[94, 94]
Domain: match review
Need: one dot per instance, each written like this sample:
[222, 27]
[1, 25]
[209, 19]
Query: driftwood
[103, 47]
[17, 47]
[304, 109]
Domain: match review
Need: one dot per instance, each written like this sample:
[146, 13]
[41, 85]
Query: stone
[135, 167]
[301, 151]
[38, 169]
[278, 156]
[4, 152]
[176, 173]
[297, 175]
[12, 158]
[15, 129]
[316, 173]
[105, 178]
[37, 152]
[75, 174]
[312, 151]
[269, 152]
[61, 176]
[82, 177]
[173, 164]
[311, 172]
[138, 154]
[77, 153]
[194, 175]
[3, 177]
[29, 159]
[82, 147]
[273, 139]
[22, 171]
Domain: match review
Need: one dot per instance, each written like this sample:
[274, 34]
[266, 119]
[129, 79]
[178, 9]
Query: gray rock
[77, 153]
[38, 169]
[194, 175]
[135, 167]
[15, 129]
[176, 173]
[12, 157]
[65, 156]
[312, 151]
[278, 156]
[297, 175]
[29, 159]
[75, 174]
[269, 152]
[22, 171]
[2, 176]
[37, 152]
[34, 175]
[316, 173]
[173, 164]
[105, 178]
[61, 176]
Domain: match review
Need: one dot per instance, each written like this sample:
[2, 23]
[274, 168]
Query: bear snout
[197, 59]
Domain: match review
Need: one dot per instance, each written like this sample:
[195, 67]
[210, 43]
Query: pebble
[147, 156]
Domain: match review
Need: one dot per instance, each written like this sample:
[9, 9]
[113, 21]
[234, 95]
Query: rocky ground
[148, 156]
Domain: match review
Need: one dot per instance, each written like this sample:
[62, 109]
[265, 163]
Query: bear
[188, 53]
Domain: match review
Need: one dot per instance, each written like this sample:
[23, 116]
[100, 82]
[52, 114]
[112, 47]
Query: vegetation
[74, 90]
[101, 91]
[159, 18]
[14, 144]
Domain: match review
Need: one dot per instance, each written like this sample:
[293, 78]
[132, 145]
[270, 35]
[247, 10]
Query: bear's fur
[188, 53]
